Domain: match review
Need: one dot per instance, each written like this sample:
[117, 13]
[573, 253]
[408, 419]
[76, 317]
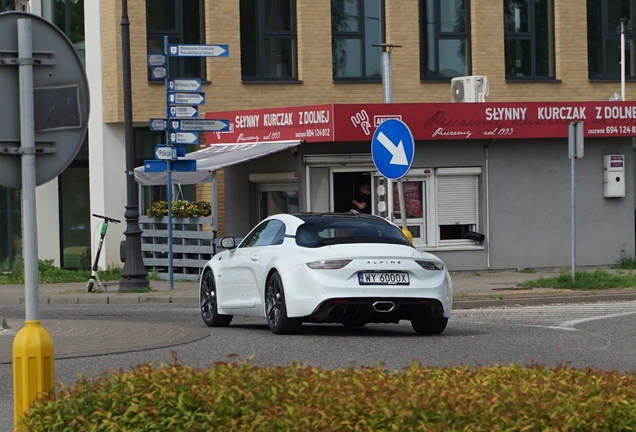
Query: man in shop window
[363, 204]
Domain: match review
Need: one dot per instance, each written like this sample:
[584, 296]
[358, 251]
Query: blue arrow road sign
[183, 138]
[392, 148]
[195, 98]
[182, 84]
[207, 125]
[198, 50]
[181, 165]
[182, 111]
[158, 124]
[178, 147]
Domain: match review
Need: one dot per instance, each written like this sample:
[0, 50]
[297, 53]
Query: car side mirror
[228, 242]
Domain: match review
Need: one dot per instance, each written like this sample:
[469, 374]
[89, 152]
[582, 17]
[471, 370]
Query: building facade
[304, 53]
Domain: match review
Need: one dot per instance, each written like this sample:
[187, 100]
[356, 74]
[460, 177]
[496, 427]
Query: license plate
[383, 278]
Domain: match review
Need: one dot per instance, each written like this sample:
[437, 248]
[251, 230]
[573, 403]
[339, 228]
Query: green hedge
[243, 397]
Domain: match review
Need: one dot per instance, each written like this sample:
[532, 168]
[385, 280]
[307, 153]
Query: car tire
[208, 303]
[429, 326]
[276, 308]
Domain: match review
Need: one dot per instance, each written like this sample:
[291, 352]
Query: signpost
[194, 98]
[183, 95]
[182, 84]
[207, 125]
[182, 111]
[198, 50]
[183, 138]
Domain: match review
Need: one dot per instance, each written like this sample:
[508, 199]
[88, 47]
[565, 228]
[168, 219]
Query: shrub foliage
[243, 397]
[180, 208]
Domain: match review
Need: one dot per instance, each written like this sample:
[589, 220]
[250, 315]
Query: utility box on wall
[614, 175]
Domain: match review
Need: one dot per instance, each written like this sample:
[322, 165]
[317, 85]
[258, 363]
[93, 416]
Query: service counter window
[441, 205]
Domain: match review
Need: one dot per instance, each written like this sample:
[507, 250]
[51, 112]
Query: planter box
[193, 244]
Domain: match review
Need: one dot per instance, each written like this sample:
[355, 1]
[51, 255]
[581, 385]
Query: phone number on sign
[613, 130]
[318, 132]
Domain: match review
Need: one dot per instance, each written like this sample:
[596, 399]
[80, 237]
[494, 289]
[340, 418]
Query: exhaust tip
[383, 306]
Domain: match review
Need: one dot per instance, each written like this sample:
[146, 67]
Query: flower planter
[193, 244]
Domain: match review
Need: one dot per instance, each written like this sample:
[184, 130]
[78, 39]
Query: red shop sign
[428, 121]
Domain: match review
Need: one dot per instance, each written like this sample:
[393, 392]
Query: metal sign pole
[33, 362]
[575, 150]
[166, 66]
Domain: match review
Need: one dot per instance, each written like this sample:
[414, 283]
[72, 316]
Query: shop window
[268, 40]
[183, 22]
[357, 25]
[445, 39]
[604, 39]
[440, 209]
[456, 207]
[529, 39]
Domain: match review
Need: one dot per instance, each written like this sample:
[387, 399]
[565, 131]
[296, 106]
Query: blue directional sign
[194, 98]
[157, 72]
[207, 125]
[181, 165]
[392, 148]
[183, 138]
[182, 111]
[169, 152]
[165, 153]
[156, 59]
[198, 50]
[184, 84]
[158, 124]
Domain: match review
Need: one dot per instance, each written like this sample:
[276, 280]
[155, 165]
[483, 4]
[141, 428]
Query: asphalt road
[580, 335]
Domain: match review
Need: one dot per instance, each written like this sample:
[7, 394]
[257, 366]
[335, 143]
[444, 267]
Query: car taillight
[430, 265]
[328, 265]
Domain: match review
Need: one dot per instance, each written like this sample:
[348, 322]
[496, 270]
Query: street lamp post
[134, 275]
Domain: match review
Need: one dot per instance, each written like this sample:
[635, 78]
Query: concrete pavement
[74, 338]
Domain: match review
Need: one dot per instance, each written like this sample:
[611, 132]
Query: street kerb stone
[83, 338]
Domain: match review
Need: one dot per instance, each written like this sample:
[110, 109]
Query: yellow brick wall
[227, 92]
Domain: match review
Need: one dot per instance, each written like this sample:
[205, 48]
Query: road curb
[534, 301]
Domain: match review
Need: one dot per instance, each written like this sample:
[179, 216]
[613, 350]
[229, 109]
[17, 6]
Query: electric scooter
[94, 277]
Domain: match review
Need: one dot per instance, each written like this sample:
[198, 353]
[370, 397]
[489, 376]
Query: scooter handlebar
[106, 218]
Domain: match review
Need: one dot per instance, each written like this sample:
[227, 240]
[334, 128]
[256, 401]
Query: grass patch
[527, 270]
[48, 273]
[627, 262]
[599, 279]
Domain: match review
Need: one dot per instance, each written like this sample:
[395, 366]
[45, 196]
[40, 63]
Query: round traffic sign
[392, 148]
[60, 100]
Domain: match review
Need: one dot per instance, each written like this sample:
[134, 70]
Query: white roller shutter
[457, 200]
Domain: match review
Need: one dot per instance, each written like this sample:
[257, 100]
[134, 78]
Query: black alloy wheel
[276, 310]
[207, 301]
[429, 326]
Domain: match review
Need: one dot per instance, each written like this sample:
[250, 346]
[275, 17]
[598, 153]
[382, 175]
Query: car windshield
[318, 232]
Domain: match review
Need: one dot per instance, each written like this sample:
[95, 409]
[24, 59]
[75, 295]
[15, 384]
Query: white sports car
[347, 268]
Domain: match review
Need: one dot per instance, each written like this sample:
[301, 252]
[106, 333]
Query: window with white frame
[441, 205]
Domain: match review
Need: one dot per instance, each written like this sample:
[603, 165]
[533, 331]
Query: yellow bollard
[408, 234]
[33, 368]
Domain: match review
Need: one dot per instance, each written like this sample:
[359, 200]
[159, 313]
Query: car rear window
[323, 232]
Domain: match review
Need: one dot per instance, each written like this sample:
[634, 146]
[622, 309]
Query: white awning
[210, 159]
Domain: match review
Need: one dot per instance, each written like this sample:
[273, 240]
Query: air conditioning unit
[469, 88]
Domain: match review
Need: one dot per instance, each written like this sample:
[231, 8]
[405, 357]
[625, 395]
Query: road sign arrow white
[397, 152]
[184, 138]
